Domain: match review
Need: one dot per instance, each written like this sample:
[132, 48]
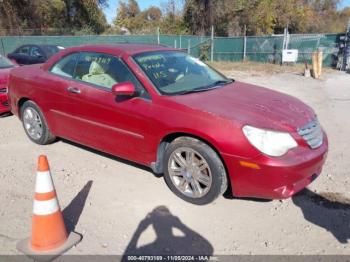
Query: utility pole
[245, 43]
[158, 37]
[173, 7]
[285, 38]
[3, 47]
[343, 63]
[212, 44]
[346, 55]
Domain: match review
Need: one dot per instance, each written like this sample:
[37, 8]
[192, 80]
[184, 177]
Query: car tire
[35, 125]
[200, 170]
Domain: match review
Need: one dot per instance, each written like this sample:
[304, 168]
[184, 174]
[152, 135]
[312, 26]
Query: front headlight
[269, 142]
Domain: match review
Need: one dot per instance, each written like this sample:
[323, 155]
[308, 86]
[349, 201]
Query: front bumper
[4, 106]
[277, 177]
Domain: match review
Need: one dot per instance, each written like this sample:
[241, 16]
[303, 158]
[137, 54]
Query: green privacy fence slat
[228, 49]
[258, 48]
[306, 44]
[11, 42]
[193, 43]
[264, 49]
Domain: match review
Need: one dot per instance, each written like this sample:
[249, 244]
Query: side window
[23, 50]
[35, 51]
[104, 70]
[65, 66]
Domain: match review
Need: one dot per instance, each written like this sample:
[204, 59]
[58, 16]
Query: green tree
[198, 16]
[128, 15]
[147, 21]
[153, 13]
[86, 14]
[19, 15]
[172, 20]
[230, 17]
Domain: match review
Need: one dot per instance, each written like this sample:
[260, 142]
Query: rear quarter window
[23, 50]
[66, 66]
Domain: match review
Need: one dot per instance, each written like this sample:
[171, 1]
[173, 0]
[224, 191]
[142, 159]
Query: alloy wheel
[190, 172]
[32, 123]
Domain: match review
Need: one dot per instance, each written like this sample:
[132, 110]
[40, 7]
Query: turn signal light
[249, 164]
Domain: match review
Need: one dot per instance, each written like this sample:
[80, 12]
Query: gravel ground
[120, 207]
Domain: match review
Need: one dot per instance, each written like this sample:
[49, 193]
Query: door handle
[73, 90]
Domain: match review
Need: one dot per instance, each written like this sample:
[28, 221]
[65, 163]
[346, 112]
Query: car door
[36, 55]
[95, 117]
[52, 92]
[21, 55]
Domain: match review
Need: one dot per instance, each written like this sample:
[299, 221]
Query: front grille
[3, 91]
[312, 134]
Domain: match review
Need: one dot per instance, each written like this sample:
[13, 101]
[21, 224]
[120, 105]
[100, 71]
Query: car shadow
[73, 211]
[3, 115]
[228, 195]
[112, 157]
[188, 242]
[328, 210]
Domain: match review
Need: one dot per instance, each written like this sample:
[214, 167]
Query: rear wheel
[193, 171]
[35, 124]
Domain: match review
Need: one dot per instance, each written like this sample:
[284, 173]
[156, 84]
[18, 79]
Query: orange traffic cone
[49, 236]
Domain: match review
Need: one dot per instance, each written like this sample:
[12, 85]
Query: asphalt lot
[120, 207]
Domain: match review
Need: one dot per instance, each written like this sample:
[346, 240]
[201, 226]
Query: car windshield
[5, 63]
[175, 73]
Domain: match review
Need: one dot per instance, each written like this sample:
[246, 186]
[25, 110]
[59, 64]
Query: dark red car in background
[5, 66]
[164, 109]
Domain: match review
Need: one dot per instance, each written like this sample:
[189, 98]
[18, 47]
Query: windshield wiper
[212, 86]
[223, 82]
[196, 90]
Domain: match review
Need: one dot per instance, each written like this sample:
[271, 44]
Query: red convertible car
[162, 108]
[5, 66]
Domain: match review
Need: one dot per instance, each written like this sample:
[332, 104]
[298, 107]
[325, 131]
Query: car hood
[250, 104]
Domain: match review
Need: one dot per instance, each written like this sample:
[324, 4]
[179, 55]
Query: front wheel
[194, 171]
[35, 124]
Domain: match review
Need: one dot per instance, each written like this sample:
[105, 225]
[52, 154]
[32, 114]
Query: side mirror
[123, 89]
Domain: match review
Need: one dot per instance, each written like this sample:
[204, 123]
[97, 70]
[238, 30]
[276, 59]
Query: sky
[111, 11]
[343, 4]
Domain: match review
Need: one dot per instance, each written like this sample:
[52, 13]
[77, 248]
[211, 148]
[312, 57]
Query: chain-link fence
[252, 48]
